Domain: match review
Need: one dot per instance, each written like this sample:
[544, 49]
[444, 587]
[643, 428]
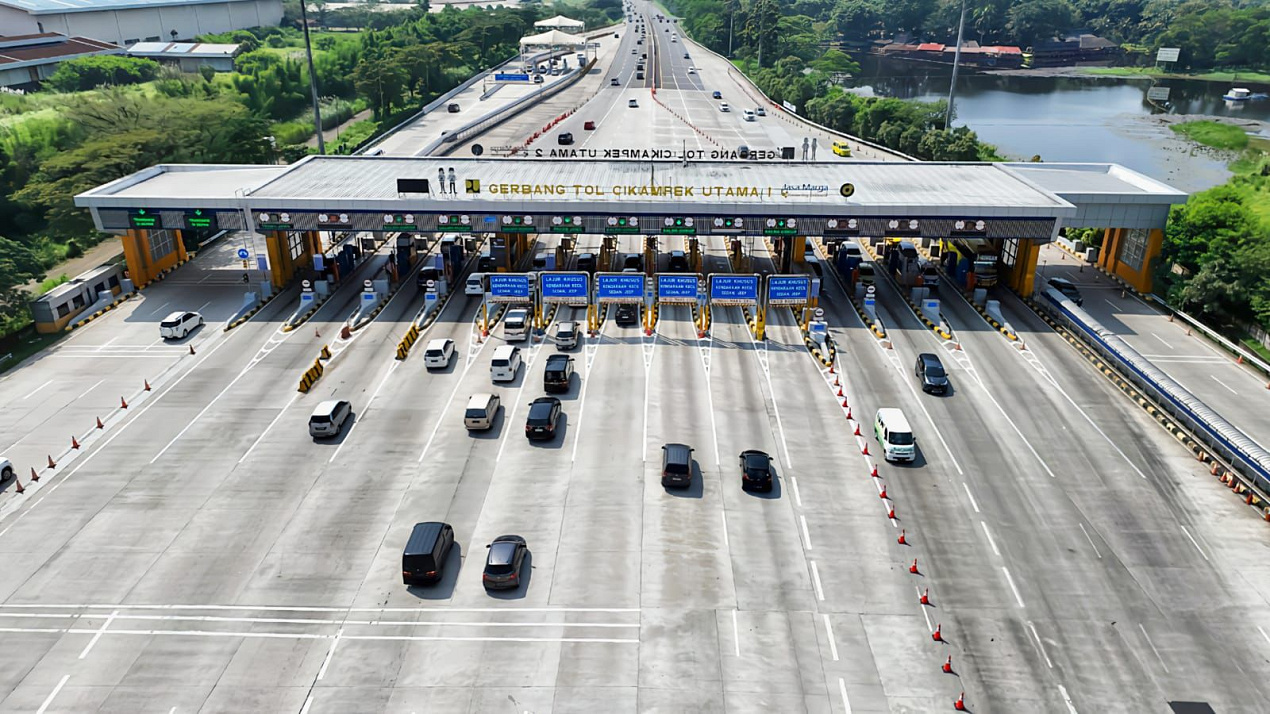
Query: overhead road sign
[619, 288]
[508, 287]
[143, 218]
[788, 289]
[507, 77]
[200, 219]
[678, 288]
[734, 289]
[565, 288]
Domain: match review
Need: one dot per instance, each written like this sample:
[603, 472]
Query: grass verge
[14, 357]
[1214, 134]
[1253, 77]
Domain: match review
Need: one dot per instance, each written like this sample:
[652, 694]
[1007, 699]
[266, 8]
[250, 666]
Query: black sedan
[756, 470]
[503, 563]
[544, 412]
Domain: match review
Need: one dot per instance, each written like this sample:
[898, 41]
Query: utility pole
[308, 50]
[952, 86]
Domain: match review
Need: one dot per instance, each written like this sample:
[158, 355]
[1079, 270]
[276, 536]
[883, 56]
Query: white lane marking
[776, 410]
[724, 517]
[1227, 386]
[1017, 598]
[86, 391]
[441, 414]
[705, 365]
[520, 394]
[991, 541]
[1263, 634]
[815, 579]
[311, 621]
[61, 683]
[842, 689]
[33, 391]
[806, 534]
[587, 361]
[1113, 305]
[302, 608]
[798, 499]
[929, 625]
[970, 496]
[267, 428]
[833, 646]
[1071, 708]
[330, 653]
[362, 416]
[200, 307]
[89, 647]
[215, 399]
[1194, 542]
[315, 636]
[157, 309]
[1161, 339]
[1091, 540]
[1153, 649]
[106, 344]
[736, 635]
[308, 702]
[1040, 646]
[648, 382]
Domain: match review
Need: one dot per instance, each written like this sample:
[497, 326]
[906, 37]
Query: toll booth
[405, 253]
[650, 255]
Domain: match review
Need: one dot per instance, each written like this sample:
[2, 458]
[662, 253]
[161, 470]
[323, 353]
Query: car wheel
[6, 474]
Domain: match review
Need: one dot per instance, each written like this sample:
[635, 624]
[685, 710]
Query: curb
[313, 374]
[407, 341]
[939, 330]
[116, 303]
[159, 277]
[248, 315]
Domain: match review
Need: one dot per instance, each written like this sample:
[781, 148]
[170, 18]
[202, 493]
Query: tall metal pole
[952, 86]
[308, 50]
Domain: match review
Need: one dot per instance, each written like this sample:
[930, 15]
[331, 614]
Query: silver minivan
[329, 417]
[503, 366]
[516, 324]
[438, 354]
[480, 412]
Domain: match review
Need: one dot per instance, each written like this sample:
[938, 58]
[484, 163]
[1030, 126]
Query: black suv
[1068, 289]
[756, 470]
[627, 314]
[633, 260]
[678, 261]
[544, 412]
[586, 261]
[565, 138]
[556, 377]
[931, 373]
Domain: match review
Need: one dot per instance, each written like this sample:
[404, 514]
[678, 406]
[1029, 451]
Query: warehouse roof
[58, 7]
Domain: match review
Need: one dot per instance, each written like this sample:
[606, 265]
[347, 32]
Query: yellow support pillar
[760, 322]
[1023, 274]
[136, 253]
[799, 249]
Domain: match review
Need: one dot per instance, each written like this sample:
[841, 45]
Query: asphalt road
[203, 553]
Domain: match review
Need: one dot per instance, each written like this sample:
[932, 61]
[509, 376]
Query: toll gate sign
[677, 288]
[788, 289]
[566, 288]
[508, 287]
[733, 289]
[620, 287]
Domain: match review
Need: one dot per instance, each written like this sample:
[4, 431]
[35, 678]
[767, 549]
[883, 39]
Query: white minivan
[480, 412]
[895, 435]
[179, 324]
[438, 354]
[516, 325]
[475, 284]
[503, 366]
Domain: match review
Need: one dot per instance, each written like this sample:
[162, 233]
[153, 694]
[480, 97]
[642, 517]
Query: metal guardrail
[1245, 455]
[1235, 349]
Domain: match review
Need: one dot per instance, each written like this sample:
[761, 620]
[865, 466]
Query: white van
[438, 354]
[179, 324]
[329, 417]
[516, 325]
[480, 412]
[748, 115]
[895, 435]
[475, 284]
[502, 368]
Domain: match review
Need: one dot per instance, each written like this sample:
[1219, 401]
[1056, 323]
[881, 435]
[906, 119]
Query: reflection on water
[1073, 118]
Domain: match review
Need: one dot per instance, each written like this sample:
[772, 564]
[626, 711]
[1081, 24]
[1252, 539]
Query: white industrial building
[127, 22]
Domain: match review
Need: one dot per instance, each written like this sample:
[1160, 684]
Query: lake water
[1073, 118]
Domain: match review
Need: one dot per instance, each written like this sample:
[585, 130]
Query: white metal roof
[57, 7]
[182, 49]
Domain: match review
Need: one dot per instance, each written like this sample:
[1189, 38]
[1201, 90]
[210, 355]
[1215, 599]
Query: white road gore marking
[52, 695]
[991, 541]
[815, 580]
[89, 647]
[1040, 646]
[1014, 589]
[1194, 542]
[1153, 649]
[1091, 541]
[833, 646]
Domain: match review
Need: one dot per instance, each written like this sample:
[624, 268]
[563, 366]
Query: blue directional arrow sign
[733, 289]
[568, 288]
[788, 289]
[620, 287]
[677, 288]
[243, 254]
[508, 287]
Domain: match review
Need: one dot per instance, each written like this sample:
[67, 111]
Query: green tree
[86, 73]
[18, 265]
[1035, 21]
[383, 80]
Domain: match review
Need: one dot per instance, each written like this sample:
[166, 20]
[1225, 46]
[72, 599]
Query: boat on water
[1241, 94]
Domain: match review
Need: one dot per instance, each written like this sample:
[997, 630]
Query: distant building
[1075, 49]
[972, 54]
[188, 56]
[127, 22]
[27, 60]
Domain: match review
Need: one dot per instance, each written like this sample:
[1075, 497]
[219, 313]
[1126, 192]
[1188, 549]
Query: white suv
[179, 324]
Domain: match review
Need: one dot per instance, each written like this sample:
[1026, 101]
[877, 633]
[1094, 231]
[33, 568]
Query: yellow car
[841, 148]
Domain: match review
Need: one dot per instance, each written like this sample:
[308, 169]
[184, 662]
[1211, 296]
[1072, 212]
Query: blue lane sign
[568, 288]
[734, 289]
[505, 77]
[508, 287]
[788, 289]
[620, 287]
[676, 288]
[243, 254]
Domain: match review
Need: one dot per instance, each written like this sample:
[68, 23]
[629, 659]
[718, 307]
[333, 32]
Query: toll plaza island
[993, 217]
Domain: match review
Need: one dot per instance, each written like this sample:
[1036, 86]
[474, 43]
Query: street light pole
[308, 50]
[952, 86]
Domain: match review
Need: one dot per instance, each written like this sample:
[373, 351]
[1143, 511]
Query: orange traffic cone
[99, 424]
[937, 635]
[74, 442]
[123, 403]
[865, 451]
[840, 392]
[913, 568]
[948, 665]
[831, 370]
[890, 513]
[191, 349]
[147, 383]
[17, 486]
[902, 540]
[34, 476]
[52, 463]
[857, 429]
[882, 495]
[960, 704]
[874, 473]
[925, 598]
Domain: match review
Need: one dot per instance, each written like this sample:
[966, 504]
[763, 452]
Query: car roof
[479, 400]
[175, 315]
[894, 418]
[929, 358]
[558, 358]
[438, 343]
[504, 352]
[327, 406]
[501, 552]
[545, 400]
[1062, 281]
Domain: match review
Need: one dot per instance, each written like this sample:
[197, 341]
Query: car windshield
[540, 413]
[169, 323]
[320, 419]
[900, 438]
[434, 352]
[474, 414]
[755, 462]
[499, 363]
[934, 370]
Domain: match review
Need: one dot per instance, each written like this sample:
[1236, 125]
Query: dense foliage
[85, 73]
[1210, 33]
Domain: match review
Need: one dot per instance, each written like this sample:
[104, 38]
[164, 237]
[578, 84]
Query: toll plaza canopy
[622, 192]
